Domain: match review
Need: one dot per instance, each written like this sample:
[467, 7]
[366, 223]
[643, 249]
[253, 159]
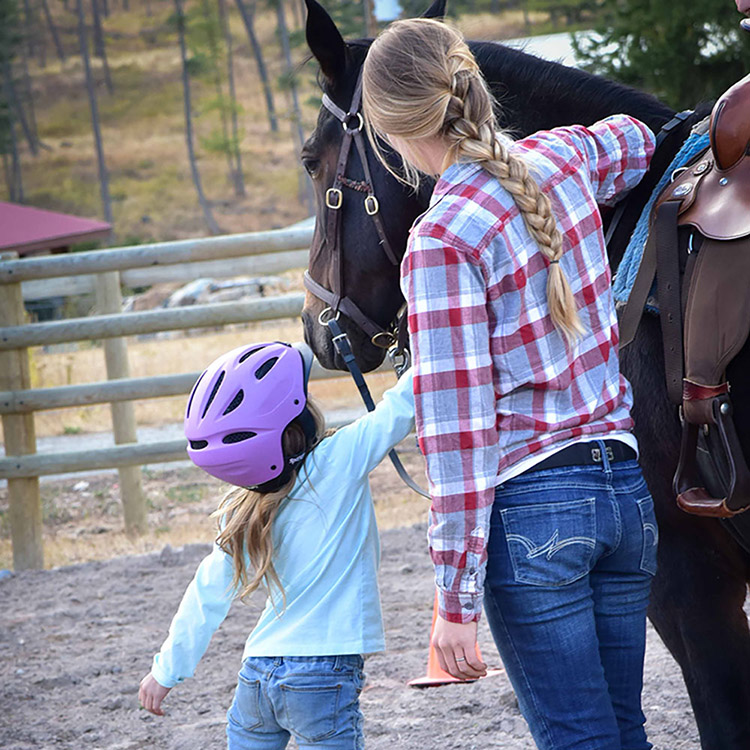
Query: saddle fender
[711, 197]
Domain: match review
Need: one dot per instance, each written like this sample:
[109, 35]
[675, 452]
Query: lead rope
[343, 347]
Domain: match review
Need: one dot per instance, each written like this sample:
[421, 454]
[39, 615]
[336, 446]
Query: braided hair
[420, 80]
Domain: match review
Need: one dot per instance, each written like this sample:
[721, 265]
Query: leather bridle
[338, 302]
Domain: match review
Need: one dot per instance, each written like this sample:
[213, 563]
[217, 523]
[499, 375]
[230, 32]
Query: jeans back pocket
[245, 708]
[551, 544]
[650, 534]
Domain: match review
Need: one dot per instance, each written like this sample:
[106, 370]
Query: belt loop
[605, 456]
[337, 663]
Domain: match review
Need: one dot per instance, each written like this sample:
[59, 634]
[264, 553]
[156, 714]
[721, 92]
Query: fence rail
[103, 271]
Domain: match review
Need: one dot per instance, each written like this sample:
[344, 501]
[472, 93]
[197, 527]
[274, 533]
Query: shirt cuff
[161, 676]
[459, 607]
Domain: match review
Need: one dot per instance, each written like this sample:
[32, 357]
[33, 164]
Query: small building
[31, 231]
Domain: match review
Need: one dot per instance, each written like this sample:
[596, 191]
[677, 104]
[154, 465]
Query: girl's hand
[151, 694]
[456, 648]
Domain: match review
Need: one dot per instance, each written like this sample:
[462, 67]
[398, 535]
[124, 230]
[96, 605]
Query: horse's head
[363, 214]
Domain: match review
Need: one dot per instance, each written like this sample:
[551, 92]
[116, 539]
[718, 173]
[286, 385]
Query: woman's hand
[151, 694]
[456, 648]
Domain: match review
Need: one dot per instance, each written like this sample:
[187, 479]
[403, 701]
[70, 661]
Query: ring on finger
[460, 658]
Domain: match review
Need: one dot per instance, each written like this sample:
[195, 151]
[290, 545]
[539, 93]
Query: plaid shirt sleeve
[446, 289]
[616, 150]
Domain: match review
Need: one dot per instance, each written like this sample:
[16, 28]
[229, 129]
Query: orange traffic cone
[435, 675]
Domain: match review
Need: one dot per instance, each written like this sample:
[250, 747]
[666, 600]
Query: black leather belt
[590, 453]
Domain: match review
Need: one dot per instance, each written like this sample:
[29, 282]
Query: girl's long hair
[245, 517]
[420, 80]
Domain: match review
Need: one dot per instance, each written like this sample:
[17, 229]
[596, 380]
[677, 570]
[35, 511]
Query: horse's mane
[555, 94]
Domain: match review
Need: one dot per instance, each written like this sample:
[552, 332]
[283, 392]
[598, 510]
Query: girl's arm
[203, 608]
[362, 445]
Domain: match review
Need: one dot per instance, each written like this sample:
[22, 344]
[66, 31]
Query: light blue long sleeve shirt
[326, 554]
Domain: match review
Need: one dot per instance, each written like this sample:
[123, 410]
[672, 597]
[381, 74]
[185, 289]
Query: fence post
[20, 438]
[109, 300]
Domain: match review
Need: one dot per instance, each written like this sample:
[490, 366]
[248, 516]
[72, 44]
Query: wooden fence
[103, 272]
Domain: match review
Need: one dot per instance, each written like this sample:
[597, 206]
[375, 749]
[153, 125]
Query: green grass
[187, 493]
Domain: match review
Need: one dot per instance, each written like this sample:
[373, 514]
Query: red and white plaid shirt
[494, 381]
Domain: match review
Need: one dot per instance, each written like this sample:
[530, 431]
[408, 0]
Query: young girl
[539, 507]
[302, 527]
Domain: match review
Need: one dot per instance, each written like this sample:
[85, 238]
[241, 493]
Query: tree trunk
[14, 106]
[306, 191]
[29, 39]
[53, 31]
[94, 107]
[15, 182]
[247, 14]
[213, 227]
[368, 14]
[239, 180]
[213, 47]
[297, 18]
[30, 125]
[99, 47]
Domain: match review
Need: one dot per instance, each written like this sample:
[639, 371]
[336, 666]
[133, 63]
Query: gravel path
[76, 640]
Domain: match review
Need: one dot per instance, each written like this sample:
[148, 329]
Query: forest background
[179, 118]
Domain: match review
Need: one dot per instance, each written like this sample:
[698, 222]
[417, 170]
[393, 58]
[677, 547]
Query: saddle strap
[662, 244]
[670, 306]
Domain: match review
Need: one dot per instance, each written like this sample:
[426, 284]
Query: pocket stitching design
[551, 546]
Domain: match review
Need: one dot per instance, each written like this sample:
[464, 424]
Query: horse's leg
[698, 593]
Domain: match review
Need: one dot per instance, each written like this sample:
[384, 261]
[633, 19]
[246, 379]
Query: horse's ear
[436, 10]
[324, 40]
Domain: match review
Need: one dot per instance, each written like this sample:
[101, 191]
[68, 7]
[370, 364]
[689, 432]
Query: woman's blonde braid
[470, 128]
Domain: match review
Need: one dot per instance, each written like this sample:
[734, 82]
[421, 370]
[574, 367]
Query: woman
[539, 507]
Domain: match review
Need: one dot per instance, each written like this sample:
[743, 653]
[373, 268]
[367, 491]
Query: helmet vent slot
[192, 395]
[196, 445]
[213, 394]
[236, 401]
[265, 368]
[237, 437]
[249, 354]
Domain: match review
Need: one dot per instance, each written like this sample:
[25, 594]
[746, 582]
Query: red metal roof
[30, 230]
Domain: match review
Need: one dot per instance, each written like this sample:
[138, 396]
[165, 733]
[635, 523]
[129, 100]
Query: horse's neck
[536, 94]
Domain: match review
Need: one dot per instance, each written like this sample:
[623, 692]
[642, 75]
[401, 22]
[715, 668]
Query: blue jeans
[314, 698]
[571, 554]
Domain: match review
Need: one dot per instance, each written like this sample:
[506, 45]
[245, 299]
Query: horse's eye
[311, 165]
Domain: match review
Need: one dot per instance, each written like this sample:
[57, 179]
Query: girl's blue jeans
[571, 554]
[315, 699]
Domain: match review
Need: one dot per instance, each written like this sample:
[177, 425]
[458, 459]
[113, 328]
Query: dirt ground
[76, 640]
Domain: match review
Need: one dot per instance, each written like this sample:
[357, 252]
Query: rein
[352, 123]
[343, 347]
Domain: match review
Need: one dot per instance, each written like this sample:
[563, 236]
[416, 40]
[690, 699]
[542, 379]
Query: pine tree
[682, 52]
[10, 39]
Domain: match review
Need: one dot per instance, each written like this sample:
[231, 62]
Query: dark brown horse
[698, 594]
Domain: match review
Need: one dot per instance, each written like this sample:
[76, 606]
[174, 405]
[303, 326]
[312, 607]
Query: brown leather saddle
[699, 249]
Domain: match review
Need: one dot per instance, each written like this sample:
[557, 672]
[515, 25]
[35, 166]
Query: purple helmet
[239, 408]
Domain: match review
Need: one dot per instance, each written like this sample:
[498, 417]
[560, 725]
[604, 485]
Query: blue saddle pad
[631, 261]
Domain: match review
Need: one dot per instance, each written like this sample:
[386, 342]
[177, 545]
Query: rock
[169, 556]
